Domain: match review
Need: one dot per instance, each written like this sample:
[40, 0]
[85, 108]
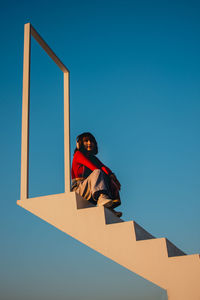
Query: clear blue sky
[135, 74]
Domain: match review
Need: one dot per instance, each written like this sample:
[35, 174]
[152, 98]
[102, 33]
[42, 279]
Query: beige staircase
[126, 243]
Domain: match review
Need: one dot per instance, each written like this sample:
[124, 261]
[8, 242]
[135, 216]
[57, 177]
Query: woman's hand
[115, 181]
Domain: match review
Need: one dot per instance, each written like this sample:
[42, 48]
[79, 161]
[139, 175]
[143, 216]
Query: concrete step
[127, 243]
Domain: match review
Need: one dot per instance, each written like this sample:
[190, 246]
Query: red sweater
[82, 165]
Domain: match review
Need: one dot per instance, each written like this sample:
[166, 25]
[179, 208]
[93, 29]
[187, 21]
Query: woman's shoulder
[78, 154]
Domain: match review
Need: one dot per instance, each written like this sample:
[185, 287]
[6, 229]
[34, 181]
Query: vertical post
[66, 132]
[25, 113]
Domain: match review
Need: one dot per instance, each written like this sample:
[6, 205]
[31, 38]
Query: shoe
[116, 202]
[104, 200]
[117, 213]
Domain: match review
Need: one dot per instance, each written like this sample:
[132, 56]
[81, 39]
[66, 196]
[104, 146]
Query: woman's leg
[94, 185]
[96, 189]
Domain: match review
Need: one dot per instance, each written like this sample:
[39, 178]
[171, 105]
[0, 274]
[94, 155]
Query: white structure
[126, 243]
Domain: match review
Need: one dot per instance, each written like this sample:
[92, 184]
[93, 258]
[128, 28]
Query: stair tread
[125, 242]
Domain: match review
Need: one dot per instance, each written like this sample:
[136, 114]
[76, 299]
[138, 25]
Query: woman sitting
[91, 178]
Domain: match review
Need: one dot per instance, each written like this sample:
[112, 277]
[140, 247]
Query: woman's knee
[99, 175]
[97, 172]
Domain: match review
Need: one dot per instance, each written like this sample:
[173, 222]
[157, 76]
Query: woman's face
[88, 144]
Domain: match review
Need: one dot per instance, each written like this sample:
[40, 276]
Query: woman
[91, 178]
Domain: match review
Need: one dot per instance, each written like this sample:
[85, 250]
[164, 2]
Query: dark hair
[79, 143]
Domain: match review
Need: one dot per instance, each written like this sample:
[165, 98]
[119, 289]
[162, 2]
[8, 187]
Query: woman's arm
[103, 167]
[112, 176]
[82, 159]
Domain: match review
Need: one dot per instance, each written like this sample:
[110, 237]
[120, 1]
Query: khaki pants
[95, 184]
